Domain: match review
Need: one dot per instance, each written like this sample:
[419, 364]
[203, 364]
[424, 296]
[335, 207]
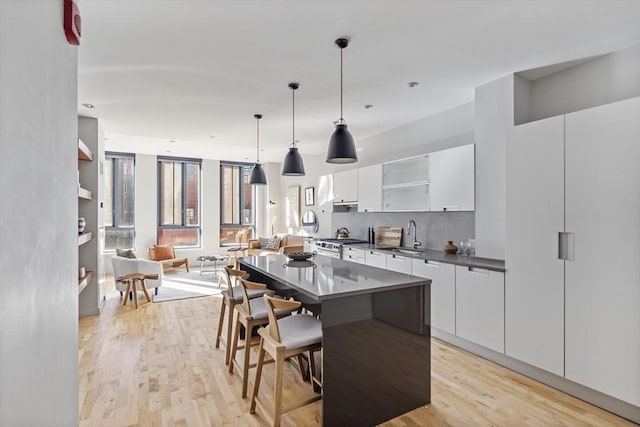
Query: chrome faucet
[415, 241]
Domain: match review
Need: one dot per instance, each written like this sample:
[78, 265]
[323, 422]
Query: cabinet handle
[398, 257]
[433, 263]
[566, 246]
[374, 253]
[476, 270]
[451, 208]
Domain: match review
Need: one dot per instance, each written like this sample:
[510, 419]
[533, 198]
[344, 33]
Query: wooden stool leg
[256, 384]
[220, 322]
[234, 346]
[277, 391]
[126, 293]
[229, 328]
[135, 292]
[145, 290]
[247, 354]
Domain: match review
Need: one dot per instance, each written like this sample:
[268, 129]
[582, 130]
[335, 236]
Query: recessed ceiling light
[367, 106]
[413, 84]
[261, 150]
[168, 151]
[172, 140]
[106, 138]
[212, 136]
[88, 105]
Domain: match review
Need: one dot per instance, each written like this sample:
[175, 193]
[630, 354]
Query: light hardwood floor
[158, 366]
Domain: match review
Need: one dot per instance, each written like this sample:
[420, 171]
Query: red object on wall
[72, 22]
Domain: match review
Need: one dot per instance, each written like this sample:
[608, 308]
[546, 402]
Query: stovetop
[343, 241]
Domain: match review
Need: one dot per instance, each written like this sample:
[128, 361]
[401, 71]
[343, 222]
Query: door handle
[567, 246]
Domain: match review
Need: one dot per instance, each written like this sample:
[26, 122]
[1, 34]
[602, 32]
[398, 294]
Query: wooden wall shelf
[85, 194]
[84, 153]
[84, 281]
[84, 238]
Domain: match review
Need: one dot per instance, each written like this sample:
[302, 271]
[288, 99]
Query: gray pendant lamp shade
[257, 176]
[292, 164]
[342, 148]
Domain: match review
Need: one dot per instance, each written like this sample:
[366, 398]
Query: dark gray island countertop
[324, 278]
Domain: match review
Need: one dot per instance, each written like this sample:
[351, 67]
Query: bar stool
[285, 338]
[309, 304]
[231, 297]
[251, 313]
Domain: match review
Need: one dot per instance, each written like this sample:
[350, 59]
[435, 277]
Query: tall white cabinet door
[443, 292]
[603, 283]
[452, 174]
[534, 288]
[370, 189]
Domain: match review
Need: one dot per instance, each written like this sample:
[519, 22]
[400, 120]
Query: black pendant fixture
[342, 149]
[257, 176]
[292, 164]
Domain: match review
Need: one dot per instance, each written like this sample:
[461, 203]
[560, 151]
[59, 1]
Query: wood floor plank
[158, 366]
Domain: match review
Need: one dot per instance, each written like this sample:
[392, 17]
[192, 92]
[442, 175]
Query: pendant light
[257, 176]
[292, 164]
[342, 149]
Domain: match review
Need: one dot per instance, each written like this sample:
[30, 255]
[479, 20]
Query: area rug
[181, 284]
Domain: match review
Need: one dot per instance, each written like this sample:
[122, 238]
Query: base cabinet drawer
[443, 292]
[399, 263]
[480, 306]
[354, 258]
[376, 259]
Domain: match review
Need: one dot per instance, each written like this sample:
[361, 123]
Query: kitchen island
[376, 348]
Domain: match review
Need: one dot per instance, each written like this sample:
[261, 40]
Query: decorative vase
[81, 225]
[450, 248]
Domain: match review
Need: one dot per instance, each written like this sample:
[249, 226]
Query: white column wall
[494, 113]
[38, 217]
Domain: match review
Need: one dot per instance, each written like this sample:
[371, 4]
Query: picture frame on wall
[309, 196]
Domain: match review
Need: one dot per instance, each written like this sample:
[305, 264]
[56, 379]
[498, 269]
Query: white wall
[38, 217]
[608, 78]
[494, 113]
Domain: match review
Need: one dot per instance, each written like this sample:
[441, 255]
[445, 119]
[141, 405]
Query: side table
[216, 259]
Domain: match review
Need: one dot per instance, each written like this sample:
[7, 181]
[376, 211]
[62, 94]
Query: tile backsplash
[434, 229]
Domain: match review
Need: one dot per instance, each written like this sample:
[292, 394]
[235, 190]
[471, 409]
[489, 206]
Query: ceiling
[185, 77]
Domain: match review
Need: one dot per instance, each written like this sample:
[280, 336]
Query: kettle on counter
[342, 233]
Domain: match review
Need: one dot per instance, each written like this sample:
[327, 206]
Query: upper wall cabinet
[370, 189]
[452, 176]
[405, 185]
[345, 186]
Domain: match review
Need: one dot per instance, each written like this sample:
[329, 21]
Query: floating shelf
[84, 238]
[84, 194]
[84, 281]
[84, 153]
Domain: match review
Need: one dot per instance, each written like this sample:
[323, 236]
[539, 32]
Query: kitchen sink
[407, 251]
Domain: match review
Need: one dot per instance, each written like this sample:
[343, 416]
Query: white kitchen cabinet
[452, 177]
[480, 306]
[345, 186]
[399, 263]
[405, 185]
[376, 259]
[534, 287]
[325, 194]
[603, 281]
[443, 292]
[370, 189]
[588, 191]
[354, 254]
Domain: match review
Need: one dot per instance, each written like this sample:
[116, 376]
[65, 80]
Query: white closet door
[534, 289]
[603, 283]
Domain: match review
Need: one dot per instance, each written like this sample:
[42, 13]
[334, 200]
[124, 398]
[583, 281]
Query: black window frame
[183, 213]
[115, 202]
[240, 198]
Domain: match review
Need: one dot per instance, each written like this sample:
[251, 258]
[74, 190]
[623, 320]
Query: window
[119, 201]
[179, 201]
[237, 215]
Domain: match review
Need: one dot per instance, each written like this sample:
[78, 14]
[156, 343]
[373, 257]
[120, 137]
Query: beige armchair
[288, 243]
[122, 266]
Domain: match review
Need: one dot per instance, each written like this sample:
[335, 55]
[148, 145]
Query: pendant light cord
[293, 130]
[257, 140]
[341, 114]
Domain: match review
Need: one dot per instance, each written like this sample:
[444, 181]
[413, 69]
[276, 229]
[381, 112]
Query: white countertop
[331, 278]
